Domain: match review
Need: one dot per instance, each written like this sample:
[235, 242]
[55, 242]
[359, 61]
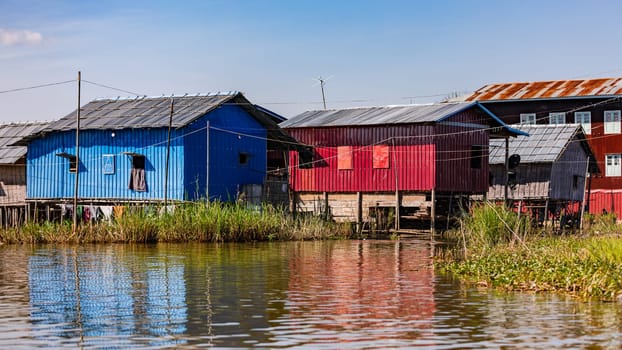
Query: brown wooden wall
[532, 182]
[12, 185]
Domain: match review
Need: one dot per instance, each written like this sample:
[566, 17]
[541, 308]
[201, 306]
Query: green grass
[520, 258]
[199, 222]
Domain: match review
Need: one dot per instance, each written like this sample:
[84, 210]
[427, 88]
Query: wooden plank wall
[532, 181]
[12, 184]
[343, 207]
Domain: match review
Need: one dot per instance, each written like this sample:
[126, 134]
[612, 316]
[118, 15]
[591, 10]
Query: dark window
[243, 158]
[575, 182]
[138, 181]
[477, 153]
[73, 164]
[305, 158]
[138, 162]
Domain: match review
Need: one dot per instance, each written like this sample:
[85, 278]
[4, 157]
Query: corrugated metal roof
[12, 132]
[548, 89]
[154, 112]
[141, 112]
[375, 115]
[543, 145]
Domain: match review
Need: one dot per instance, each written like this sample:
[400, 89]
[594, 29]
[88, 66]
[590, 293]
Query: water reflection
[356, 295]
[342, 294]
[94, 295]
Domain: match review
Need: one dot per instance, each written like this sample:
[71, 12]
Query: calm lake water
[313, 295]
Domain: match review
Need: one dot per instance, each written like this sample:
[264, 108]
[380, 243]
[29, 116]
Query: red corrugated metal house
[596, 104]
[389, 164]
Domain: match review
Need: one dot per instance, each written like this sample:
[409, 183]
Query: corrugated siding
[611, 201]
[48, 175]
[413, 166]
[234, 132]
[454, 152]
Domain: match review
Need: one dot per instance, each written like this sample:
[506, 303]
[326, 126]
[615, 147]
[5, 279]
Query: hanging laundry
[106, 211]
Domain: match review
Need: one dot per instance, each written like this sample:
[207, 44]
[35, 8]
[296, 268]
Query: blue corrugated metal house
[218, 143]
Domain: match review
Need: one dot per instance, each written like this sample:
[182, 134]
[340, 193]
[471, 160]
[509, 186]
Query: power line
[36, 86]
[112, 88]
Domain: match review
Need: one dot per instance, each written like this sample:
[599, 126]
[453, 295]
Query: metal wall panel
[609, 201]
[48, 175]
[234, 134]
[237, 157]
[422, 157]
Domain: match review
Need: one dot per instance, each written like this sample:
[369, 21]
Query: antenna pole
[322, 87]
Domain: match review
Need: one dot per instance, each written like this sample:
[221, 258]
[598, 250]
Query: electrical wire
[112, 88]
[36, 86]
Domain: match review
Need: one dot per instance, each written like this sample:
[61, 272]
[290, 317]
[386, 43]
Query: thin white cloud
[9, 37]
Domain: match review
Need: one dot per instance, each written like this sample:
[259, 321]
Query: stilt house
[548, 178]
[143, 150]
[396, 165]
[13, 171]
[596, 104]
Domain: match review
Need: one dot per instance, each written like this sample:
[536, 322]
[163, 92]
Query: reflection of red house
[596, 104]
[366, 289]
[404, 161]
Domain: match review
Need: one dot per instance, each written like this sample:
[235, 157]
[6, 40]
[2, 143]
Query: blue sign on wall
[108, 163]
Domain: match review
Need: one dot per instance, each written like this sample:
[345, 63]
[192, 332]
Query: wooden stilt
[433, 214]
[359, 211]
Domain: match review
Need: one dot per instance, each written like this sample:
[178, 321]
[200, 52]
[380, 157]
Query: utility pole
[77, 184]
[168, 152]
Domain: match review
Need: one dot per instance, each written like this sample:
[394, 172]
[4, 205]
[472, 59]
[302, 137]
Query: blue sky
[373, 52]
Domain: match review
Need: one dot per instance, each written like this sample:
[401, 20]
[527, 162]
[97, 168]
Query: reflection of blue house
[218, 143]
[77, 298]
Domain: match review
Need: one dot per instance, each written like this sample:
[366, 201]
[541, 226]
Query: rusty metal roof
[12, 132]
[548, 89]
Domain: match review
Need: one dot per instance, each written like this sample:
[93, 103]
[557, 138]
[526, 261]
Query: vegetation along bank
[199, 222]
[497, 248]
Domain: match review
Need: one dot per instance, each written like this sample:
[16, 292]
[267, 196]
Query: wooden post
[326, 209]
[507, 170]
[587, 170]
[397, 188]
[359, 211]
[397, 210]
[433, 214]
[546, 213]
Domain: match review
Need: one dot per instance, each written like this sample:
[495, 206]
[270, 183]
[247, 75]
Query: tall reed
[199, 221]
